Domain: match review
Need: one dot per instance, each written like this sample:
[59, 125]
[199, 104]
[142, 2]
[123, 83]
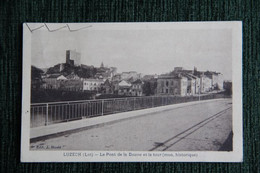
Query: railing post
[47, 114]
[134, 103]
[199, 94]
[114, 106]
[126, 105]
[69, 111]
[102, 103]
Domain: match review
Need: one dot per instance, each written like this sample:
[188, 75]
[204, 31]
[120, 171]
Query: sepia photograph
[102, 92]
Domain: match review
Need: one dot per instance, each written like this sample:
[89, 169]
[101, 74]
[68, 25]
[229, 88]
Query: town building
[113, 71]
[205, 84]
[92, 84]
[204, 81]
[216, 79]
[191, 84]
[105, 72]
[130, 74]
[149, 77]
[73, 57]
[136, 88]
[107, 87]
[172, 85]
[124, 88]
[115, 86]
[36, 83]
[53, 81]
[116, 77]
[73, 76]
[71, 85]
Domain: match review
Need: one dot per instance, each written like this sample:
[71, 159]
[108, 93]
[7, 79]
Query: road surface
[198, 127]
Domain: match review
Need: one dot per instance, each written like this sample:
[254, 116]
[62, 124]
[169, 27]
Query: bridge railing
[43, 114]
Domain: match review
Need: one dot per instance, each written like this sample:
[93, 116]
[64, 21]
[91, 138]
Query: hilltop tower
[73, 57]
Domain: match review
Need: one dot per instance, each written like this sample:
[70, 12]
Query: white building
[205, 84]
[124, 88]
[92, 84]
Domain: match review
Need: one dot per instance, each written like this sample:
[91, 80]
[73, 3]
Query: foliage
[36, 73]
[149, 87]
[83, 72]
[43, 95]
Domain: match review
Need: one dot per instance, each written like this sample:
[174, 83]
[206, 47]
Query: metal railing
[43, 114]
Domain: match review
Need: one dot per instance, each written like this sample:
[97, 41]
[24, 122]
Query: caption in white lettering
[128, 154]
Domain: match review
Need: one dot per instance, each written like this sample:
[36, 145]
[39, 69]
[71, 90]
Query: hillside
[82, 71]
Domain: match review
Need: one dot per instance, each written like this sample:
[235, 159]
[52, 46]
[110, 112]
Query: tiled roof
[138, 81]
[93, 80]
[54, 76]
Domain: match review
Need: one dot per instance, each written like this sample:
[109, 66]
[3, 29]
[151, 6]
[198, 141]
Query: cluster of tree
[83, 72]
[228, 87]
[36, 73]
[149, 87]
[45, 95]
[36, 79]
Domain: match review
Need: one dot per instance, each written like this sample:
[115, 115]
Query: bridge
[202, 125]
[43, 114]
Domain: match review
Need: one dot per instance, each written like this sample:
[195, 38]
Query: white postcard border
[236, 155]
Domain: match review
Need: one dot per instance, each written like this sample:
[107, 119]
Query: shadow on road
[228, 144]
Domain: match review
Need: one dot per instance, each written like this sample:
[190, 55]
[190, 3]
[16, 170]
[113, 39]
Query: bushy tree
[149, 87]
[36, 73]
[36, 77]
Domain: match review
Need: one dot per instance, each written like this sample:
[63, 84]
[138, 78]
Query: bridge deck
[203, 125]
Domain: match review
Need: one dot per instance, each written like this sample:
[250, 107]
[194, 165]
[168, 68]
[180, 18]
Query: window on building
[166, 90]
[162, 83]
[167, 83]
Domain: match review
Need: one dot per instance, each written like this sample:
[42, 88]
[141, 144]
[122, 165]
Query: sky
[145, 51]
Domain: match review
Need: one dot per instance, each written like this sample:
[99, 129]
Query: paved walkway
[61, 129]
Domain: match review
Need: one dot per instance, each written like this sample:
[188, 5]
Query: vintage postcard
[132, 92]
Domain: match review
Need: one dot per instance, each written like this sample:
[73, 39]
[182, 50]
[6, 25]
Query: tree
[147, 88]
[36, 73]
[36, 77]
